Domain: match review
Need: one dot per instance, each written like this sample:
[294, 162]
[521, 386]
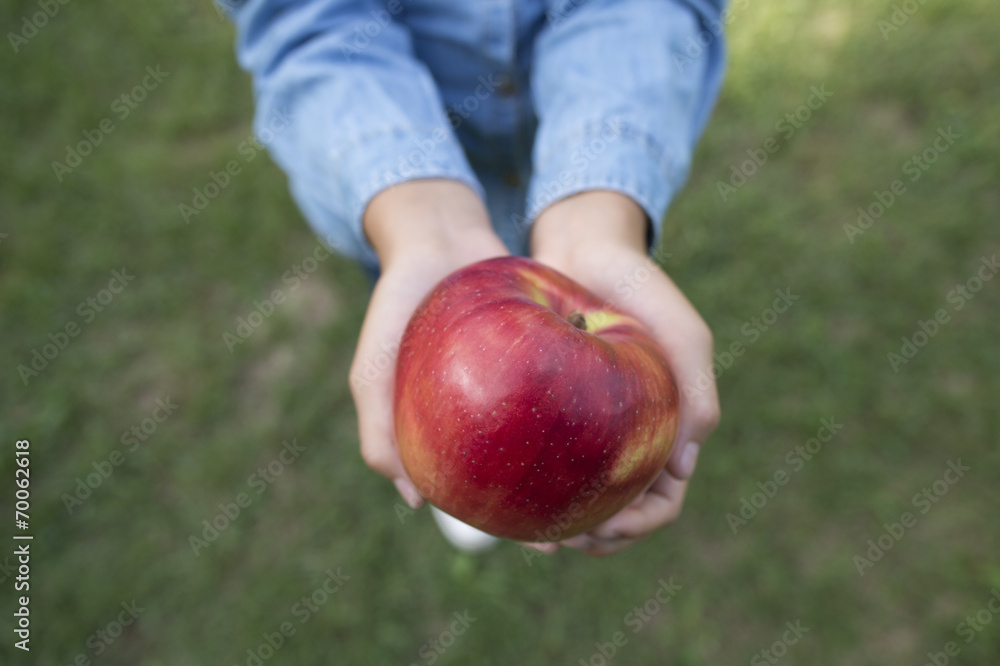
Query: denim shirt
[526, 101]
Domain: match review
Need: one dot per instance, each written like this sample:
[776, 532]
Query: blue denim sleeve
[344, 107]
[623, 89]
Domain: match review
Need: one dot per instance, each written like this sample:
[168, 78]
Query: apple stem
[576, 318]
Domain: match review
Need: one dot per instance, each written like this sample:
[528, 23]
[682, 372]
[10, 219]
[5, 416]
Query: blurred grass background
[784, 228]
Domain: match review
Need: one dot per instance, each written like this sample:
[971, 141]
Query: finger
[397, 294]
[685, 338]
[687, 341]
[660, 505]
[596, 547]
[680, 331]
[542, 547]
[373, 391]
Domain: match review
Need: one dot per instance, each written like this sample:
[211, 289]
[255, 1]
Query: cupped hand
[598, 238]
[422, 231]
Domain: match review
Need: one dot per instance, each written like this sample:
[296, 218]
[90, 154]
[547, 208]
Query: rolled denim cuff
[608, 156]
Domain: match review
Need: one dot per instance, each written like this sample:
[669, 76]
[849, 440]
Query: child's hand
[425, 230]
[422, 231]
[598, 238]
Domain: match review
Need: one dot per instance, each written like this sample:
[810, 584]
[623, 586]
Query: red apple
[528, 407]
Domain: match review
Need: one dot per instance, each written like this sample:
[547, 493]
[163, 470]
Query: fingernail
[689, 459]
[409, 493]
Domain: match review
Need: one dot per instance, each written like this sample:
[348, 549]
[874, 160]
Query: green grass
[825, 357]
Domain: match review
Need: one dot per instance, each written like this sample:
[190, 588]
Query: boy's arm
[373, 163]
[623, 89]
[364, 113]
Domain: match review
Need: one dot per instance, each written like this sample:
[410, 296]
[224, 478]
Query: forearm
[430, 217]
[361, 120]
[596, 218]
[616, 110]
